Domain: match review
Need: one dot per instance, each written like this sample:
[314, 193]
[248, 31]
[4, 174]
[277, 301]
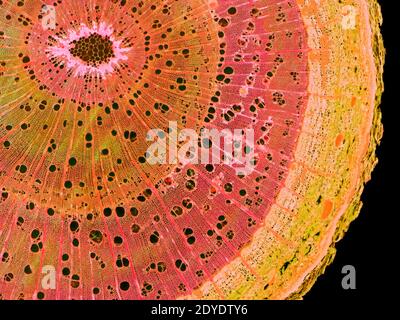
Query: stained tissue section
[94, 49]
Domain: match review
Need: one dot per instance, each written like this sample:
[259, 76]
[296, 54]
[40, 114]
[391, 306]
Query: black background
[370, 244]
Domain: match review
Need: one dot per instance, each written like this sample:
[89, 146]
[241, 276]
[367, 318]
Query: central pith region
[94, 50]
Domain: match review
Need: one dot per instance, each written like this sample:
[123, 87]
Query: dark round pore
[94, 50]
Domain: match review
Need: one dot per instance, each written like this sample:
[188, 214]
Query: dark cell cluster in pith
[94, 50]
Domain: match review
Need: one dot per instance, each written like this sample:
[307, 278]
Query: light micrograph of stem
[111, 190]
